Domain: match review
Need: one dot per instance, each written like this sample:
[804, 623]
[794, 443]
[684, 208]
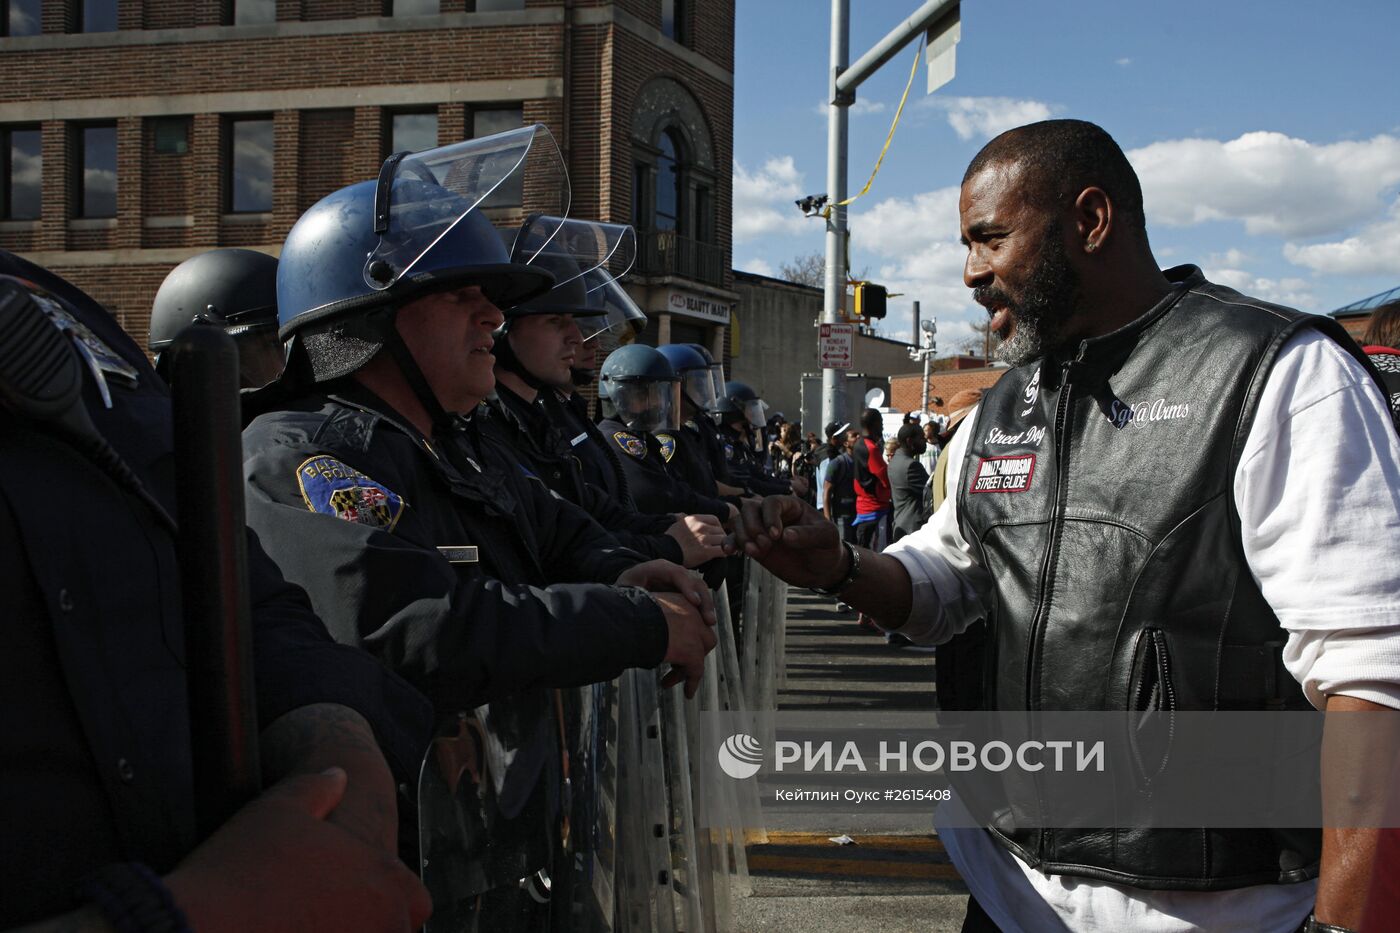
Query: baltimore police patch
[631, 443]
[668, 446]
[332, 488]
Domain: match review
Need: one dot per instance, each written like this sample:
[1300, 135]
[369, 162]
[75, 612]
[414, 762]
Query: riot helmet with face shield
[359, 254]
[697, 383]
[743, 400]
[638, 387]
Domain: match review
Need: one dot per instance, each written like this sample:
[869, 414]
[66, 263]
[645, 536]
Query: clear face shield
[717, 375]
[422, 197]
[698, 386]
[755, 412]
[647, 406]
[597, 255]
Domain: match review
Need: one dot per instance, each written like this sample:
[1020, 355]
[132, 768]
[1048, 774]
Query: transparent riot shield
[688, 876]
[488, 805]
[645, 902]
[585, 896]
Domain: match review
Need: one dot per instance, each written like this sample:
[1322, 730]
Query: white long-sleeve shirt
[1318, 495]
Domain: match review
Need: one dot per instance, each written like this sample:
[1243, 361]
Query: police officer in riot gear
[698, 456]
[235, 289]
[741, 415]
[97, 798]
[419, 538]
[535, 350]
[639, 394]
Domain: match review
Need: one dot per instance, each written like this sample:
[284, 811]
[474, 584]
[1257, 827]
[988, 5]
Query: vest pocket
[1153, 700]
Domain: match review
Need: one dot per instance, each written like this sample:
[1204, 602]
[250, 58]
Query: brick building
[965, 373]
[137, 133]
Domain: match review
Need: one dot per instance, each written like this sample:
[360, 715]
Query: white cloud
[913, 247]
[1294, 292]
[1230, 259]
[763, 199]
[860, 108]
[1273, 183]
[757, 267]
[1123, 62]
[987, 116]
[1373, 250]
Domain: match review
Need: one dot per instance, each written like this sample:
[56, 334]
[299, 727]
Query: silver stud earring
[1090, 247]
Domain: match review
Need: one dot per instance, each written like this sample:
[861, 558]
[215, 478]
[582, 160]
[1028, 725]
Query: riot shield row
[634, 846]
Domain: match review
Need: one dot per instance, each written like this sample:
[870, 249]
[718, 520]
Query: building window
[673, 20]
[415, 8]
[249, 165]
[96, 167]
[21, 17]
[172, 135]
[97, 15]
[413, 132]
[21, 173]
[666, 210]
[494, 6]
[252, 12]
[486, 122]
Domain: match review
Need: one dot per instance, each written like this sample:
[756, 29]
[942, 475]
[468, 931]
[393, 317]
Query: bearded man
[1172, 479]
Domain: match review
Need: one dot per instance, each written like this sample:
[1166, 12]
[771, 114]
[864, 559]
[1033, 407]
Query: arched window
[674, 181]
[667, 213]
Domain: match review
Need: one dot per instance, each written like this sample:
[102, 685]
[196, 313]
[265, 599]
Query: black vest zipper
[1042, 606]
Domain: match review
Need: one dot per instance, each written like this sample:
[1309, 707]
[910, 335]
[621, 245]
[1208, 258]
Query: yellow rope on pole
[918, 53]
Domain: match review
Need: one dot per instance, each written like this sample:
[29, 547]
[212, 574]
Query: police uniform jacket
[94, 721]
[526, 427]
[597, 456]
[746, 467]
[653, 485]
[441, 556]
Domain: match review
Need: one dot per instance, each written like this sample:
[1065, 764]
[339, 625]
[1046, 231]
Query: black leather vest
[1097, 492]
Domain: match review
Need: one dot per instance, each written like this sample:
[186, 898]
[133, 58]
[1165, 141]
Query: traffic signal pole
[837, 124]
[844, 81]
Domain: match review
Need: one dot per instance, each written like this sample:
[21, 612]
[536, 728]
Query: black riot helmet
[697, 386]
[716, 368]
[740, 400]
[235, 289]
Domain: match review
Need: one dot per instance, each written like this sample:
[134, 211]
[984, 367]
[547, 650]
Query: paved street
[885, 882]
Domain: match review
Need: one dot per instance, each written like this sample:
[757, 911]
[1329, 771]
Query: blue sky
[1266, 134]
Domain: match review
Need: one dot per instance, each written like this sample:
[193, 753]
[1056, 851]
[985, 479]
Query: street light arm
[914, 26]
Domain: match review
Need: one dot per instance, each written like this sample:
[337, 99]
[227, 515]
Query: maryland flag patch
[332, 488]
[668, 446]
[632, 444]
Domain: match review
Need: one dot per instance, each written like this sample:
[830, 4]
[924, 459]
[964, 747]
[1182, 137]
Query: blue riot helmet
[716, 368]
[741, 399]
[638, 387]
[697, 385]
[359, 254]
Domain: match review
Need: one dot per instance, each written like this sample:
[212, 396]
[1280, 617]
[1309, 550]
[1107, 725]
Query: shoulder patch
[728, 451]
[332, 488]
[633, 445]
[668, 446]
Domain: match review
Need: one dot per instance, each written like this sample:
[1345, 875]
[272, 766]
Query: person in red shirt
[874, 508]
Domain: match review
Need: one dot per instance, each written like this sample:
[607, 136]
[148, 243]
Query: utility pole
[940, 19]
[928, 331]
[837, 124]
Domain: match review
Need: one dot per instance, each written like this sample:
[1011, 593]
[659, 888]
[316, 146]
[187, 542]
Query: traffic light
[870, 301]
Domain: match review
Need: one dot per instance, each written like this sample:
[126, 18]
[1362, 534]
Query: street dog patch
[332, 488]
[1004, 474]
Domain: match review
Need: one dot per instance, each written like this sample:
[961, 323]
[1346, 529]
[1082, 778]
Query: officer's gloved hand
[791, 539]
[701, 538]
[278, 865]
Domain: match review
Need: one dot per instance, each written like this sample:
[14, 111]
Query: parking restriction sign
[836, 346]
